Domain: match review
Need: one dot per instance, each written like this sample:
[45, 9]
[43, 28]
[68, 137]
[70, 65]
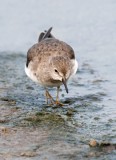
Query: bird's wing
[49, 47]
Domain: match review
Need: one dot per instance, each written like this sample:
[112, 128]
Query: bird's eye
[56, 70]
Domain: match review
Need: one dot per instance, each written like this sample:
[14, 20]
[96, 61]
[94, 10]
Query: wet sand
[29, 129]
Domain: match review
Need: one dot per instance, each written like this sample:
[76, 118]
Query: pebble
[93, 143]
[28, 154]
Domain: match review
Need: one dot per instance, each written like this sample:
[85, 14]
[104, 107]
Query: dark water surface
[31, 130]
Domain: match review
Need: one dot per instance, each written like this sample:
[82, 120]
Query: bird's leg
[57, 102]
[57, 96]
[48, 96]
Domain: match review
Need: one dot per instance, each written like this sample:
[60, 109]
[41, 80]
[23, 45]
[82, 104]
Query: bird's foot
[52, 101]
[58, 103]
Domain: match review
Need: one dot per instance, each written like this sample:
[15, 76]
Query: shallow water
[29, 129]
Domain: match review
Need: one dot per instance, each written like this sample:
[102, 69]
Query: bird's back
[47, 48]
[51, 62]
[45, 52]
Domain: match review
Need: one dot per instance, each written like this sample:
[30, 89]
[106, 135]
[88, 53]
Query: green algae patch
[45, 118]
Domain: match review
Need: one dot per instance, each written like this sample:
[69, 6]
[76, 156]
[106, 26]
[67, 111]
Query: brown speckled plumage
[50, 62]
[49, 47]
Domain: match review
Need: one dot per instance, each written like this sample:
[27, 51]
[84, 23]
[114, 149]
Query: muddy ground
[31, 130]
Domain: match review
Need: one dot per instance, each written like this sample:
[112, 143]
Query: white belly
[75, 67]
[31, 75]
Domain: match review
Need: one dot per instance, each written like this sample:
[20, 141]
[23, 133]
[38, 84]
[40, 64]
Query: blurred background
[87, 25]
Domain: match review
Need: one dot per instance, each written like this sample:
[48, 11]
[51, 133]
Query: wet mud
[30, 129]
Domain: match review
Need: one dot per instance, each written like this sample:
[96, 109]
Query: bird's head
[60, 70]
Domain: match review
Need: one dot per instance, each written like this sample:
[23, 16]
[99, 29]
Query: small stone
[69, 113]
[28, 154]
[93, 143]
[96, 118]
[3, 120]
[4, 130]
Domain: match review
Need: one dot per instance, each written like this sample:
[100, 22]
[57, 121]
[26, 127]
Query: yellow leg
[48, 96]
[57, 96]
[57, 102]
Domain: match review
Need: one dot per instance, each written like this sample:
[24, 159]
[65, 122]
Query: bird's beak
[65, 85]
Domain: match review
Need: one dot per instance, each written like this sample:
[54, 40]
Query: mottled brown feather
[49, 47]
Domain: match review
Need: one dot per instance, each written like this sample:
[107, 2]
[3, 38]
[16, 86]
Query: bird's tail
[45, 34]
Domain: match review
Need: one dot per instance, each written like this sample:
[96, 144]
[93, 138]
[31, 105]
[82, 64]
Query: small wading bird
[50, 63]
